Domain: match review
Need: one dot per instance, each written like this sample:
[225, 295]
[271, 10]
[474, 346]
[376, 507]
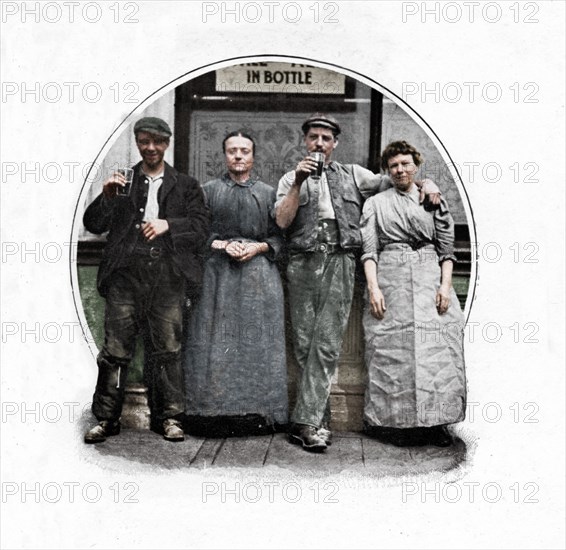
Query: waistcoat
[346, 201]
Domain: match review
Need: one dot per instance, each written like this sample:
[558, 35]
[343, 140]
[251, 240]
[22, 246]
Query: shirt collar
[231, 183]
[154, 178]
[413, 192]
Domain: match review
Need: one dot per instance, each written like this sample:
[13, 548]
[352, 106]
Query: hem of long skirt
[232, 426]
[370, 426]
[413, 420]
[404, 437]
[405, 426]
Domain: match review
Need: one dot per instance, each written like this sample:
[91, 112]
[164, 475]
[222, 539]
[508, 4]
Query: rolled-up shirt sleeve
[368, 229]
[444, 232]
[283, 187]
[369, 183]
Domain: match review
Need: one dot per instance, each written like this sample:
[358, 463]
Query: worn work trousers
[144, 297]
[320, 287]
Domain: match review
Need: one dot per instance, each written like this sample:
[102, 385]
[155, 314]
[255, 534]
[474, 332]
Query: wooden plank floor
[350, 451]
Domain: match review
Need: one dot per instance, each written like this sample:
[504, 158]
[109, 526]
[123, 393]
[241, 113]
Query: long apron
[234, 360]
[415, 356]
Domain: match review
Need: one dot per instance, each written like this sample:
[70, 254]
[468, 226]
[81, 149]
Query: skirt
[414, 356]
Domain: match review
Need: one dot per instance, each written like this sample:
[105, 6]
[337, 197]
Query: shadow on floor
[351, 451]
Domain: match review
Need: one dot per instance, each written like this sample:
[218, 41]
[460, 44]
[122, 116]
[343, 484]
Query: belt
[153, 252]
[329, 248]
[414, 245]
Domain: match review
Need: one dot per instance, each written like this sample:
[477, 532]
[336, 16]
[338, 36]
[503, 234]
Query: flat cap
[322, 120]
[153, 125]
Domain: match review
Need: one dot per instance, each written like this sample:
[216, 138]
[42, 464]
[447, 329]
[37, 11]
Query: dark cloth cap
[320, 119]
[153, 125]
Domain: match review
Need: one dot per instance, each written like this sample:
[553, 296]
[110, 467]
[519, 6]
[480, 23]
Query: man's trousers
[320, 286]
[146, 297]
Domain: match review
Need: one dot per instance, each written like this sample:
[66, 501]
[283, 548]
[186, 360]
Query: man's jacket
[181, 203]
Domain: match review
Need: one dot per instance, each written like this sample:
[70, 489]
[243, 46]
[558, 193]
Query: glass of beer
[128, 174]
[319, 157]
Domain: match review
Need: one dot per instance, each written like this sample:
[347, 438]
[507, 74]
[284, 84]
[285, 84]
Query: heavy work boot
[173, 430]
[101, 431]
[325, 434]
[324, 431]
[108, 397]
[307, 437]
[168, 393]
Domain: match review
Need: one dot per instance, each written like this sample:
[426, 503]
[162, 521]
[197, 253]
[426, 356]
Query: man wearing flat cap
[152, 260]
[322, 218]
